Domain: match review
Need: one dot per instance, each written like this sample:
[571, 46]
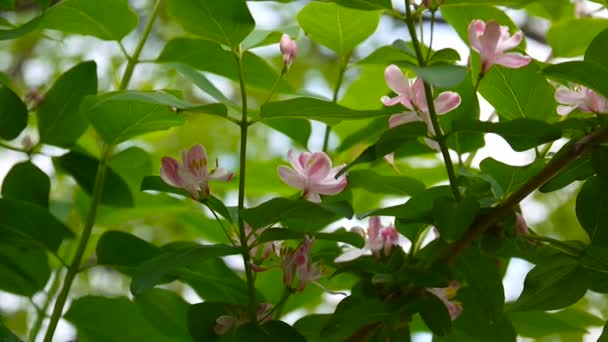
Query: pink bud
[289, 48]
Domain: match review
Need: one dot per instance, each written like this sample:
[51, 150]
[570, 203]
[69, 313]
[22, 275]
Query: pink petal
[597, 102]
[566, 96]
[291, 177]
[389, 102]
[285, 44]
[195, 161]
[489, 40]
[169, 172]
[221, 175]
[510, 42]
[295, 162]
[396, 80]
[403, 118]
[330, 187]
[476, 29]
[318, 167]
[349, 255]
[374, 226]
[565, 110]
[512, 60]
[312, 196]
[193, 190]
[446, 102]
[303, 159]
[432, 144]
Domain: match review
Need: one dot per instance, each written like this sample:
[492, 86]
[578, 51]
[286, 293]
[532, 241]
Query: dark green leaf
[537, 324]
[585, 73]
[377, 183]
[203, 83]
[508, 178]
[7, 335]
[83, 168]
[278, 234]
[24, 268]
[453, 218]
[446, 55]
[599, 161]
[201, 320]
[17, 32]
[579, 170]
[596, 52]
[152, 271]
[310, 326]
[273, 331]
[592, 209]
[226, 22]
[8, 5]
[442, 75]
[32, 223]
[463, 141]
[166, 311]
[435, 315]
[417, 209]
[604, 336]
[259, 38]
[339, 28]
[60, 122]
[570, 38]
[352, 314]
[366, 4]
[124, 251]
[297, 129]
[13, 114]
[26, 182]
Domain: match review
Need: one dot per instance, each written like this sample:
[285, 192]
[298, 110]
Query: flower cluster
[297, 263]
[379, 240]
[225, 323]
[581, 98]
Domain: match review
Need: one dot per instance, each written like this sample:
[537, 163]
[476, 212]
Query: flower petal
[169, 172]
[567, 96]
[489, 40]
[330, 187]
[195, 161]
[312, 196]
[510, 42]
[389, 102]
[512, 60]
[318, 167]
[291, 177]
[295, 162]
[402, 118]
[396, 80]
[565, 110]
[419, 96]
[476, 29]
[446, 102]
[221, 175]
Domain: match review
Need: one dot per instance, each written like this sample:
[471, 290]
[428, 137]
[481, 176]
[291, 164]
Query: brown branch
[558, 163]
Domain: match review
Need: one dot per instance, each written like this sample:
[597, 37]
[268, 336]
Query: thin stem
[343, 63]
[557, 164]
[545, 150]
[124, 51]
[564, 247]
[439, 137]
[275, 85]
[428, 54]
[222, 225]
[278, 309]
[82, 244]
[241, 203]
[126, 78]
[45, 306]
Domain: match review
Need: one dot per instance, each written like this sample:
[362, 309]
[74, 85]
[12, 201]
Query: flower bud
[289, 48]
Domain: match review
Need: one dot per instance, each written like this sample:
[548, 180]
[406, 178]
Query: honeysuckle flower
[313, 174]
[259, 252]
[225, 323]
[192, 175]
[521, 227]
[447, 294]
[581, 98]
[492, 40]
[297, 263]
[379, 239]
[289, 48]
[413, 97]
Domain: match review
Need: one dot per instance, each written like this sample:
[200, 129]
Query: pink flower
[520, 225]
[491, 41]
[225, 323]
[193, 175]
[582, 98]
[412, 97]
[446, 294]
[313, 174]
[378, 239]
[297, 263]
[266, 248]
[289, 48]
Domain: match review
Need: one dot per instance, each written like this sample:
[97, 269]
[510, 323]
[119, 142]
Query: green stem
[241, 203]
[439, 137]
[132, 62]
[343, 63]
[222, 226]
[278, 309]
[545, 150]
[275, 85]
[471, 156]
[428, 54]
[564, 247]
[45, 306]
[82, 245]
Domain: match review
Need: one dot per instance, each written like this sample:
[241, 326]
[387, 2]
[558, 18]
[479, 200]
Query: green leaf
[60, 122]
[389, 54]
[442, 75]
[310, 326]
[119, 116]
[463, 141]
[297, 129]
[596, 51]
[536, 324]
[291, 211]
[273, 331]
[592, 209]
[435, 315]
[107, 20]
[152, 271]
[83, 168]
[212, 57]
[225, 22]
[166, 311]
[599, 161]
[124, 251]
[366, 4]
[571, 38]
[279, 234]
[508, 178]
[201, 320]
[8, 5]
[446, 55]
[13, 114]
[6, 335]
[352, 314]
[104, 319]
[30, 222]
[454, 218]
[382, 184]
[580, 169]
[417, 209]
[203, 83]
[604, 336]
[588, 74]
[519, 93]
[259, 38]
[317, 109]
[521, 134]
[26, 182]
[17, 32]
[339, 28]
[553, 285]
[24, 268]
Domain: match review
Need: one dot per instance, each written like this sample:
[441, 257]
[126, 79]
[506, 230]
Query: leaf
[521, 134]
[201, 320]
[509, 178]
[463, 141]
[553, 285]
[13, 114]
[152, 271]
[104, 319]
[31, 223]
[599, 161]
[166, 311]
[596, 51]
[604, 336]
[225, 22]
[60, 122]
[259, 38]
[389, 54]
[124, 251]
[381, 184]
[288, 210]
[417, 209]
[339, 28]
[592, 209]
[273, 331]
[202, 83]
[310, 326]
[435, 315]
[454, 218]
[280, 234]
[6, 335]
[317, 109]
[24, 268]
[519, 93]
[26, 182]
[442, 75]
[585, 73]
[107, 20]
[366, 4]
[120, 116]
[536, 324]
[570, 38]
[83, 168]
[297, 129]
[580, 169]
[352, 314]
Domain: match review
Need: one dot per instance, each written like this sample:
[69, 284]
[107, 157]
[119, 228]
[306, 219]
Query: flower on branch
[192, 175]
[379, 239]
[225, 323]
[447, 294]
[289, 48]
[313, 174]
[259, 252]
[581, 98]
[413, 97]
[297, 263]
[491, 41]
